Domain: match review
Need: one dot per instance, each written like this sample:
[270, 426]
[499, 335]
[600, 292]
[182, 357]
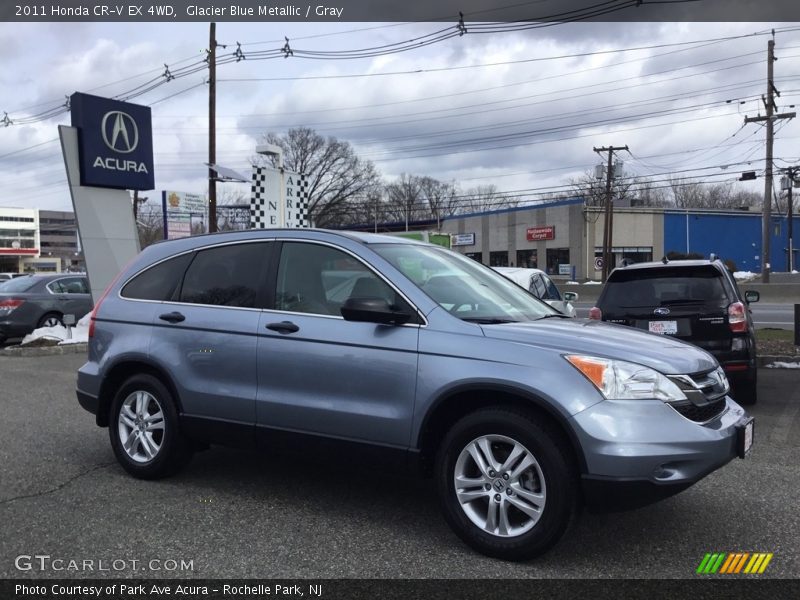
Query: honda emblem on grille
[661, 311]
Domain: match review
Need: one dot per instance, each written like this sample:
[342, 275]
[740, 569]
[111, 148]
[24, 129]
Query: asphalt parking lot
[239, 514]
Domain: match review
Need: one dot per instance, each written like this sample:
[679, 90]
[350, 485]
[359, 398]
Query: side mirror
[570, 296]
[752, 296]
[373, 310]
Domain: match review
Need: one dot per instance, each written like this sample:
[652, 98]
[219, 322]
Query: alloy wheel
[500, 485]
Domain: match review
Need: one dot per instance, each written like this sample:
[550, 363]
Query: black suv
[697, 301]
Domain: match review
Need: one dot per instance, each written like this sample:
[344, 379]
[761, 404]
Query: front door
[320, 374]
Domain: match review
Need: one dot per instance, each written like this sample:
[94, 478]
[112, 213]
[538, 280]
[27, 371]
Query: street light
[275, 150]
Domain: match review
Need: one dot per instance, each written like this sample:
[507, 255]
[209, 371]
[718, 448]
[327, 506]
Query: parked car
[429, 359]
[538, 283]
[5, 277]
[32, 301]
[697, 301]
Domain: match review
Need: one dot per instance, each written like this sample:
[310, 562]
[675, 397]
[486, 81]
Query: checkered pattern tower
[265, 196]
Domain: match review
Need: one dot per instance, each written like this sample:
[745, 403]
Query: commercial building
[60, 243]
[565, 238]
[19, 238]
[34, 240]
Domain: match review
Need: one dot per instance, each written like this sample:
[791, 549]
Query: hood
[596, 338]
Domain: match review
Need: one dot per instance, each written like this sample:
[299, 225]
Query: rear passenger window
[159, 282]
[225, 276]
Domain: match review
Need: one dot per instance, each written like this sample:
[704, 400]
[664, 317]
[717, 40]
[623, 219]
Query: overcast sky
[498, 109]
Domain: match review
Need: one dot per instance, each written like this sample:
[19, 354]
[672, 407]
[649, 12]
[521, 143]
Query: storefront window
[527, 259]
[498, 259]
[555, 257]
[476, 256]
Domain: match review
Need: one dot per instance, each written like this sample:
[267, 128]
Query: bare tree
[593, 190]
[484, 197]
[335, 173]
[695, 194]
[644, 192]
[405, 199]
[441, 198]
[150, 225]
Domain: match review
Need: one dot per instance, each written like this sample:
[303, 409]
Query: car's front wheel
[144, 429]
[506, 484]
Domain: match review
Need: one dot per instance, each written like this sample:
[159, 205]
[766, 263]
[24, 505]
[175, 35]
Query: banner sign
[266, 196]
[115, 142]
[535, 234]
[184, 214]
[462, 239]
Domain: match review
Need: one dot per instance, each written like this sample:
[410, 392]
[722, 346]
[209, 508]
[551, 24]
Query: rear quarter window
[159, 282]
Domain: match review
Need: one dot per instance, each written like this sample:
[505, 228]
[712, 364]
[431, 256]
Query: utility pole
[608, 223]
[791, 174]
[212, 125]
[770, 118]
[136, 202]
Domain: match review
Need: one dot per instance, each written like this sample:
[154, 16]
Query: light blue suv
[388, 348]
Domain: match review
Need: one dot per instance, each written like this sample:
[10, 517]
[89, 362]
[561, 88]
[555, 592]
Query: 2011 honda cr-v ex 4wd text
[346, 342]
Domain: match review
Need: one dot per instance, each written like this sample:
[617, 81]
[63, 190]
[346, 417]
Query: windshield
[464, 287]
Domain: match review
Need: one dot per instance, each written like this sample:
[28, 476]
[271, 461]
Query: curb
[764, 361]
[45, 350]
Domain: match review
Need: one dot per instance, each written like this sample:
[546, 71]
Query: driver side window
[318, 279]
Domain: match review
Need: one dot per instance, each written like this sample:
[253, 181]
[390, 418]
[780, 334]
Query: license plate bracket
[744, 437]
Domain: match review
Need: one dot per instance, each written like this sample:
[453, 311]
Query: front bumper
[641, 451]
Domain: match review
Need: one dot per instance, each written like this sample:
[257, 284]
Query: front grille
[705, 393]
[699, 414]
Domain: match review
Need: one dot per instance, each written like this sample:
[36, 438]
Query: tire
[53, 319]
[549, 482]
[144, 430]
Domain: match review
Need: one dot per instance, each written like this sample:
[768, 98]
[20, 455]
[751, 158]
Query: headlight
[620, 380]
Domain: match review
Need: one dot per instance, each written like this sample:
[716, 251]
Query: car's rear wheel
[50, 320]
[144, 429]
[505, 483]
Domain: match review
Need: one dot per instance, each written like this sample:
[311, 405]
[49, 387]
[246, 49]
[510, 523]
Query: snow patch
[80, 333]
[745, 275]
[783, 365]
[572, 283]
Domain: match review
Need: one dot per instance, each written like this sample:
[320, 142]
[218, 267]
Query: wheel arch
[462, 400]
[123, 370]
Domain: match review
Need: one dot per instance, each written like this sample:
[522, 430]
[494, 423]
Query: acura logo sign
[115, 142]
[120, 132]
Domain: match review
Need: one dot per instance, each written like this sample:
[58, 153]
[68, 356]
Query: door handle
[172, 317]
[283, 327]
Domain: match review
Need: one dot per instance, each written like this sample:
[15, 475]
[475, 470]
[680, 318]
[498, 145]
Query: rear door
[70, 296]
[206, 334]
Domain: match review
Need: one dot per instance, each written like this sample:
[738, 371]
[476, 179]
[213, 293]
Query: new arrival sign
[115, 142]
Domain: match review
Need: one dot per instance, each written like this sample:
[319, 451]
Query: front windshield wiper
[554, 315]
[488, 320]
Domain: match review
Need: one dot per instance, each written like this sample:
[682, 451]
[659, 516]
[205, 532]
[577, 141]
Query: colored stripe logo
[731, 563]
